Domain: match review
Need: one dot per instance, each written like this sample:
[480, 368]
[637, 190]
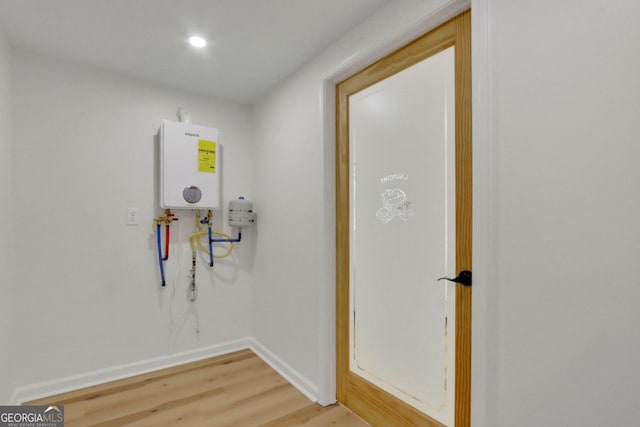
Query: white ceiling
[253, 44]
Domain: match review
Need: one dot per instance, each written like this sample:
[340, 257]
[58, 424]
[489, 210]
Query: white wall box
[189, 166]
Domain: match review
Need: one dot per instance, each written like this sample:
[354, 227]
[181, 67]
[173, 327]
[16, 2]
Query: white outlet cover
[132, 216]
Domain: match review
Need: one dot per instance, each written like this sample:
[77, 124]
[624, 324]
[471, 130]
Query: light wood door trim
[364, 398]
[464, 199]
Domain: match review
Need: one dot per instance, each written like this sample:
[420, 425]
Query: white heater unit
[189, 166]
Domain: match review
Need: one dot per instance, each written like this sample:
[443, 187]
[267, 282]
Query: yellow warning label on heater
[206, 156]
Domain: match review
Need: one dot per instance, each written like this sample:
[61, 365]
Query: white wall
[6, 277]
[559, 294]
[293, 304]
[88, 295]
[556, 206]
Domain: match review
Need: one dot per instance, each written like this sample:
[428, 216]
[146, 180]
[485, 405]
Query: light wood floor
[234, 390]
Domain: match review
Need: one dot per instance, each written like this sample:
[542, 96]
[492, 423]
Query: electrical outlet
[132, 216]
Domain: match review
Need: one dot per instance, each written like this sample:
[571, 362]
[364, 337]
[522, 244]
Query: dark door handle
[464, 278]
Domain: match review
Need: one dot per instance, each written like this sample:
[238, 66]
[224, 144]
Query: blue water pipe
[161, 262]
[236, 240]
[210, 246]
[212, 241]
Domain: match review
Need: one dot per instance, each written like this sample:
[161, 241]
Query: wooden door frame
[455, 32]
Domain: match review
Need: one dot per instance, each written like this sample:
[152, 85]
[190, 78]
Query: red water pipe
[166, 241]
[169, 218]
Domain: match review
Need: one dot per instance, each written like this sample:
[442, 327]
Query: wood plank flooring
[234, 390]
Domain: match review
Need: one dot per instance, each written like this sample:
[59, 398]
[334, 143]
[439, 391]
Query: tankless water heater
[189, 166]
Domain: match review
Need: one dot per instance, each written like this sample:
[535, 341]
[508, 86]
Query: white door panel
[402, 199]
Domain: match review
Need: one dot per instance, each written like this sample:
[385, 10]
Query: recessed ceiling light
[196, 41]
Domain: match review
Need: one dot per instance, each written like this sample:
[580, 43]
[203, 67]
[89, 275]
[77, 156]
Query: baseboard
[88, 379]
[296, 379]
